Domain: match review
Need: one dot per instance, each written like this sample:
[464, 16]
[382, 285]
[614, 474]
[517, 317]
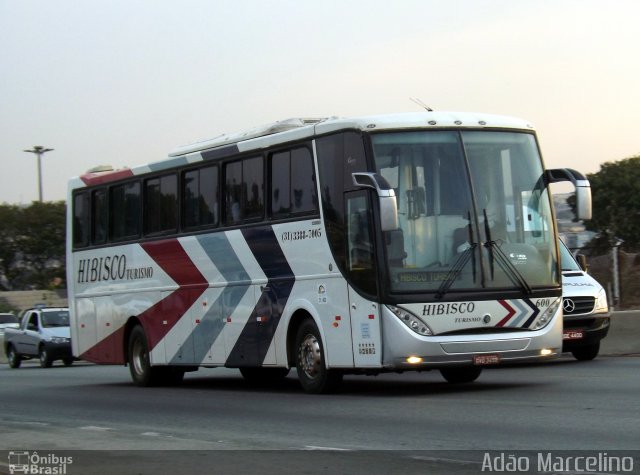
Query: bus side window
[81, 219]
[99, 210]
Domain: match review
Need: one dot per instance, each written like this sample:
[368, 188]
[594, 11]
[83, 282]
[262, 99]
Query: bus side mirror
[582, 186]
[582, 262]
[583, 201]
[386, 197]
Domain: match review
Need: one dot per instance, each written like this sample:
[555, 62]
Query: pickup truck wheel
[45, 361]
[14, 358]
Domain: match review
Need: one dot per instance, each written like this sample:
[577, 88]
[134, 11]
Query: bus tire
[142, 373]
[14, 358]
[312, 371]
[465, 374]
[586, 353]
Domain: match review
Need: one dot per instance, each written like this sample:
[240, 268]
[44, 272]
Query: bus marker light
[197, 320]
[336, 324]
[414, 360]
[338, 318]
[372, 317]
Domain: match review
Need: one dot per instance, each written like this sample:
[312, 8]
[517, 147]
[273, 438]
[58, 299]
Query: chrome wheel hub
[310, 356]
[139, 357]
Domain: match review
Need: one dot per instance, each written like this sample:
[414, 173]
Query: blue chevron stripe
[253, 343]
[202, 337]
[523, 313]
[536, 312]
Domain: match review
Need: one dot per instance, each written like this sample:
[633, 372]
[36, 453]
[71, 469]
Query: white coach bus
[388, 243]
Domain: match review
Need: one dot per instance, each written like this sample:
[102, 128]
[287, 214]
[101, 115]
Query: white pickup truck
[44, 334]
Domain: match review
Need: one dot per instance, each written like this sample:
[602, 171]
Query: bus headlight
[545, 317]
[411, 320]
[602, 306]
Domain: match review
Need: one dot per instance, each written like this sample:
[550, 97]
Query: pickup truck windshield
[55, 319]
[478, 194]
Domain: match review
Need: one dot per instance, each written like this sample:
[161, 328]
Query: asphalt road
[412, 420]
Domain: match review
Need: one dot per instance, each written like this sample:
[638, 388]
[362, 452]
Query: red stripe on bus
[107, 351]
[511, 313]
[106, 177]
[171, 256]
[160, 318]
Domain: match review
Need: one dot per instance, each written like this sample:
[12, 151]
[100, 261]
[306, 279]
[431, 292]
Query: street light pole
[39, 151]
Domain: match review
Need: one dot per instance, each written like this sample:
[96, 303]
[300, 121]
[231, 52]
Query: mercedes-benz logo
[568, 305]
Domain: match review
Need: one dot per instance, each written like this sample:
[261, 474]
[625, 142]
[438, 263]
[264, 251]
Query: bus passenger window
[99, 216]
[252, 188]
[124, 211]
[200, 197]
[293, 184]
[232, 195]
[160, 210]
[81, 220]
[304, 196]
[280, 184]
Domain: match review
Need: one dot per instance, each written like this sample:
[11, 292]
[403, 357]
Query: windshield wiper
[496, 254]
[461, 262]
[455, 271]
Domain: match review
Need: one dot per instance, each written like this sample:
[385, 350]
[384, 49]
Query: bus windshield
[473, 208]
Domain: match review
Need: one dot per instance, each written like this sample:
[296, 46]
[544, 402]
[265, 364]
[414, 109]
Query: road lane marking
[97, 428]
[317, 447]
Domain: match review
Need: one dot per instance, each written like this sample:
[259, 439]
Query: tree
[616, 202]
[8, 246]
[32, 245]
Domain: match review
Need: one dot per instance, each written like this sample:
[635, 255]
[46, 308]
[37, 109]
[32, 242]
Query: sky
[124, 82]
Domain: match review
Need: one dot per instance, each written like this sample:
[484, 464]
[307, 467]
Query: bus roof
[298, 129]
[290, 129]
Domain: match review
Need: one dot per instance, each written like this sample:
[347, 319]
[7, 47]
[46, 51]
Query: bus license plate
[482, 360]
[573, 335]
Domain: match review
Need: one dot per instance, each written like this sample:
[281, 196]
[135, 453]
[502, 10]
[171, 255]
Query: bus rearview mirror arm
[581, 184]
[386, 197]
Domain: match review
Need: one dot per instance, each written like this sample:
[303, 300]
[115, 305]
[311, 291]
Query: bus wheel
[264, 375]
[586, 353]
[466, 374]
[14, 358]
[142, 373]
[45, 361]
[310, 364]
